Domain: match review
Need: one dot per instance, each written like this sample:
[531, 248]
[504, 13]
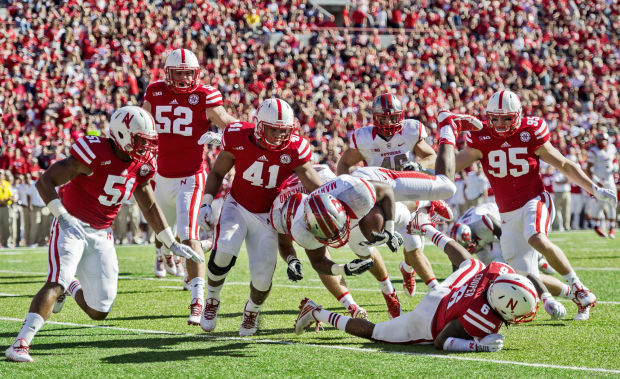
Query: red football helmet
[181, 69]
[133, 130]
[504, 113]
[274, 124]
[387, 114]
[327, 220]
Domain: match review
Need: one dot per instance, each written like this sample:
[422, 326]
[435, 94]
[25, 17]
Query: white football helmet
[514, 297]
[504, 103]
[133, 130]
[181, 70]
[327, 219]
[387, 114]
[461, 233]
[277, 115]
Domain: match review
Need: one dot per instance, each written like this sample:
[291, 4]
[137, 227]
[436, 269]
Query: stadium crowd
[66, 65]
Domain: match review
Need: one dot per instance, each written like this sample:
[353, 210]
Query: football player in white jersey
[393, 143]
[602, 164]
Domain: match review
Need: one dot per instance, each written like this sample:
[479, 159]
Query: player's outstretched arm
[466, 157]
[574, 173]
[308, 176]
[220, 117]
[453, 337]
[348, 159]
[154, 216]
[323, 265]
[426, 155]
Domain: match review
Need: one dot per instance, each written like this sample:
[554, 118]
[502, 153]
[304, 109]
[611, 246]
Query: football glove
[490, 343]
[393, 240]
[604, 194]
[186, 252]
[210, 138]
[412, 166]
[553, 307]
[71, 226]
[358, 266]
[294, 270]
[204, 214]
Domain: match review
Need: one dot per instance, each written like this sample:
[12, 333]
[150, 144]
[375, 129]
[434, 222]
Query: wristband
[166, 237]
[338, 269]
[56, 208]
[389, 226]
[459, 344]
[290, 258]
[545, 296]
[208, 198]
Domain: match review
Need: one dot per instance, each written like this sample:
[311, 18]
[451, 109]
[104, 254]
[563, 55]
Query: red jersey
[259, 172]
[511, 163]
[180, 121]
[96, 198]
[469, 304]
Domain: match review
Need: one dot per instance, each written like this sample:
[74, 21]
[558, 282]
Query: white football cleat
[60, 302]
[249, 325]
[160, 271]
[305, 317]
[180, 268]
[19, 352]
[358, 312]
[583, 314]
[186, 285]
[209, 316]
[206, 245]
[170, 264]
[583, 297]
[195, 312]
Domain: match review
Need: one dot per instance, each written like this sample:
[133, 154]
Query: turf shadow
[237, 350]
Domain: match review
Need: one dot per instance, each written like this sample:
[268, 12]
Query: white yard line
[364, 350]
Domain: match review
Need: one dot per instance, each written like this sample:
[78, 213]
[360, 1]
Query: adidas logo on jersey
[505, 144]
[263, 158]
[174, 101]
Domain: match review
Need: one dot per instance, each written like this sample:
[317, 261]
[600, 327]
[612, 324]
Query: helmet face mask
[327, 220]
[274, 124]
[387, 114]
[514, 298]
[504, 113]
[181, 70]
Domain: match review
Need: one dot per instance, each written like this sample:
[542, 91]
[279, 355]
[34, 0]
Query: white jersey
[390, 154]
[356, 195]
[604, 164]
[479, 219]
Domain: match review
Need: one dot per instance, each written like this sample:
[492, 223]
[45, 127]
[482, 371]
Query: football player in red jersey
[464, 313]
[101, 174]
[263, 154]
[184, 111]
[510, 148]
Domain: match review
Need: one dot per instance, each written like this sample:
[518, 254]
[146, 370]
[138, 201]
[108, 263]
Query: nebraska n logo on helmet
[504, 105]
[513, 297]
[327, 219]
[181, 70]
[133, 130]
[387, 114]
[274, 124]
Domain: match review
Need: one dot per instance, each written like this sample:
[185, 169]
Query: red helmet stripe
[501, 97]
[279, 109]
[182, 55]
[518, 284]
[388, 98]
[324, 221]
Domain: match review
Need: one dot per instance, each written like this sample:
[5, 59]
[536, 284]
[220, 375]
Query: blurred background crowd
[66, 65]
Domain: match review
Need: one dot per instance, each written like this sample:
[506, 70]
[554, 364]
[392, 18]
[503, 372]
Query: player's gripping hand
[554, 308]
[204, 214]
[210, 138]
[185, 251]
[358, 266]
[604, 194]
[71, 226]
[490, 343]
[294, 269]
[412, 166]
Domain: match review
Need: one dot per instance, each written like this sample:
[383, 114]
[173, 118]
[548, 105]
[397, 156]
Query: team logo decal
[525, 136]
[285, 159]
[193, 99]
[145, 170]
[389, 145]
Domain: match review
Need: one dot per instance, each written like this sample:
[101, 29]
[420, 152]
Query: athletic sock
[31, 326]
[335, 319]
[408, 269]
[386, 286]
[347, 300]
[74, 287]
[197, 286]
[214, 292]
[432, 283]
[251, 307]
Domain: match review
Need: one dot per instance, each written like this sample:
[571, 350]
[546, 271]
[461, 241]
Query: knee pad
[219, 265]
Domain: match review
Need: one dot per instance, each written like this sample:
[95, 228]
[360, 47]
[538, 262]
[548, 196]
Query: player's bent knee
[219, 265]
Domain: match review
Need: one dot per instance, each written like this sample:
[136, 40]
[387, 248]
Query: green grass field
[146, 333]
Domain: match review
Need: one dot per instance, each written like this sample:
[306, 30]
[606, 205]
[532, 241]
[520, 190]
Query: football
[372, 222]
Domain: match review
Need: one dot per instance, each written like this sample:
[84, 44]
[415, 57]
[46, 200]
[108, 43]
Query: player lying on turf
[464, 313]
[100, 174]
